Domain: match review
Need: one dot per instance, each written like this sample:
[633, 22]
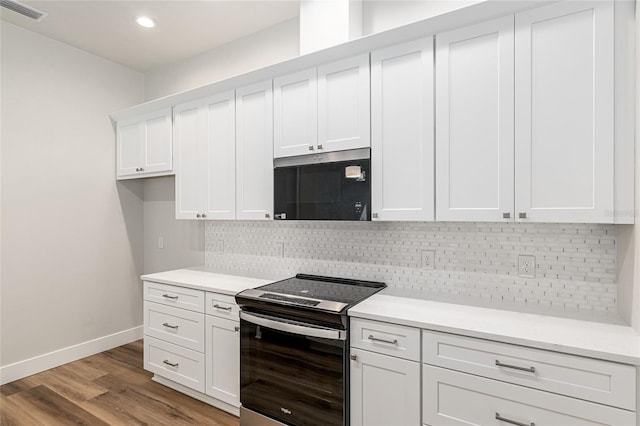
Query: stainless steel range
[294, 350]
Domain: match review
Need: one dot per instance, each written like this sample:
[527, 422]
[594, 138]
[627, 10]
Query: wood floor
[109, 388]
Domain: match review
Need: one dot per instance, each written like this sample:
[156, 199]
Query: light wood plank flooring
[109, 388]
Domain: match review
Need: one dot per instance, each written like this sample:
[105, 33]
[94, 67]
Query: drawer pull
[515, 367]
[224, 308]
[171, 363]
[513, 422]
[166, 296]
[376, 339]
[166, 324]
[236, 328]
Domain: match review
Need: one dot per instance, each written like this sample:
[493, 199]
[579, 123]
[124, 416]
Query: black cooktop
[314, 292]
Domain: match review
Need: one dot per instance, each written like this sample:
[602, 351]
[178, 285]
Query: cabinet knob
[204, 215]
[319, 146]
[506, 215]
[267, 215]
[142, 169]
[311, 148]
[236, 328]
[354, 357]
[137, 169]
[198, 215]
[522, 215]
[374, 215]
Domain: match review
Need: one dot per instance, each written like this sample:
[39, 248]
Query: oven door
[293, 372]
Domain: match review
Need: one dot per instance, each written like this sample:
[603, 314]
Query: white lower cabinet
[192, 343]
[384, 390]
[454, 398]
[223, 359]
[385, 374]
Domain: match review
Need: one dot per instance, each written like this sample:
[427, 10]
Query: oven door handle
[324, 333]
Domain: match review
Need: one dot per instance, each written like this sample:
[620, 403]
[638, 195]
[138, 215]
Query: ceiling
[185, 28]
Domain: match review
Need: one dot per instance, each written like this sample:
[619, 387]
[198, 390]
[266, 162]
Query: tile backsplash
[474, 262]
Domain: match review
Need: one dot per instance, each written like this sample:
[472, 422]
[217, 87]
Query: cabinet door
[218, 156]
[223, 360]
[295, 121]
[157, 150]
[564, 113]
[402, 160]
[384, 390]
[474, 122]
[188, 131]
[129, 136]
[343, 105]
[254, 152]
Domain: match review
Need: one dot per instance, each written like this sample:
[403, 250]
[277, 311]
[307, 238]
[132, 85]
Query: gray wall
[71, 235]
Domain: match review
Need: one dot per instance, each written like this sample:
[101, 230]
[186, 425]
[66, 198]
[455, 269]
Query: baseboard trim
[37, 364]
[231, 409]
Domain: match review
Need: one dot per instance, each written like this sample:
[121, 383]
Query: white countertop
[203, 279]
[611, 342]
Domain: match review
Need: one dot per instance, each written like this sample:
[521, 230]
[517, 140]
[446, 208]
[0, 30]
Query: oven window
[292, 378]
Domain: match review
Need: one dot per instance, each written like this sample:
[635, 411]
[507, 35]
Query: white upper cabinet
[188, 136]
[564, 66]
[219, 196]
[295, 122]
[254, 152]
[475, 122]
[205, 158]
[144, 145]
[402, 146]
[343, 104]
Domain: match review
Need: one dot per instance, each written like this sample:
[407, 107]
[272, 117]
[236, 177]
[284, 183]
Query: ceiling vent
[23, 10]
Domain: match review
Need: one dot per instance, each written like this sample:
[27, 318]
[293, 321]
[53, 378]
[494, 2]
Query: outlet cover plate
[428, 259]
[526, 266]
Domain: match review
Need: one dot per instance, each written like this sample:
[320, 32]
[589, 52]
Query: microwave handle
[324, 333]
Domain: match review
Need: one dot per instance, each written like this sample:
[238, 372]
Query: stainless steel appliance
[329, 186]
[294, 350]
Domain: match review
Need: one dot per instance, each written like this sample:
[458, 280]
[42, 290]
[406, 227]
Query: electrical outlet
[428, 259]
[526, 266]
[160, 242]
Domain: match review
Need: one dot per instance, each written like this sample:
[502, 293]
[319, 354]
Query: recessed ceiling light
[145, 21]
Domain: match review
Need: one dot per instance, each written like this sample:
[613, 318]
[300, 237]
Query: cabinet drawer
[585, 378]
[174, 325]
[453, 398]
[222, 305]
[172, 295]
[389, 339]
[176, 363]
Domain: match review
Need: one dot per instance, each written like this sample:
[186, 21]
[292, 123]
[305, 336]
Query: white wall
[71, 236]
[266, 47]
[183, 239]
[381, 15]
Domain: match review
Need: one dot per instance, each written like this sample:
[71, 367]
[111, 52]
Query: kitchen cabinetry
[402, 143]
[144, 145]
[564, 113]
[474, 122]
[385, 374]
[344, 104]
[559, 104]
[322, 109]
[192, 344]
[205, 158]
[254, 152]
[223, 349]
[295, 126]
[501, 384]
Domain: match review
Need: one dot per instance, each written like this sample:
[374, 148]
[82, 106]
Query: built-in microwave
[328, 186]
